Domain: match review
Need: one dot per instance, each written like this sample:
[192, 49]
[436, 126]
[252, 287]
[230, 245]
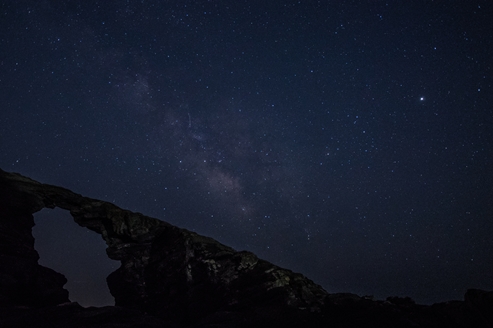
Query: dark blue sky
[351, 141]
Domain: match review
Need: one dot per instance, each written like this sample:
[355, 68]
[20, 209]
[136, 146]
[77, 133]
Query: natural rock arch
[181, 279]
[165, 270]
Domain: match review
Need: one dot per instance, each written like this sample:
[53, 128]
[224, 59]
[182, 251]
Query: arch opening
[76, 252]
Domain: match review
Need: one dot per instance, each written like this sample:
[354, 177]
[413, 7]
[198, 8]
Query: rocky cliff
[176, 278]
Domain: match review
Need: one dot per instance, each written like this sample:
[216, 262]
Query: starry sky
[351, 141]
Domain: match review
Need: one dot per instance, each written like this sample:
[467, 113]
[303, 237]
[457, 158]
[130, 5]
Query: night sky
[351, 141]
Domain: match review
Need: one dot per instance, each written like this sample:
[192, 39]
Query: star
[175, 129]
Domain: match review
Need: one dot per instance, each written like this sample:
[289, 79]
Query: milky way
[351, 143]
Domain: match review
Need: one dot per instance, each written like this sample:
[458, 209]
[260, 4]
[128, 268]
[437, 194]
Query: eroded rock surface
[166, 271]
[177, 278]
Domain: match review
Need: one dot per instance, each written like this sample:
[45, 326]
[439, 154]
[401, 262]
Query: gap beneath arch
[76, 252]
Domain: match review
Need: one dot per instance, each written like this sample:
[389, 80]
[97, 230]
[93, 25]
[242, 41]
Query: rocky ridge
[173, 277]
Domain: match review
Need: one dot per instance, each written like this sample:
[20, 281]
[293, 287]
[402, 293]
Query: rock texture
[22, 280]
[176, 278]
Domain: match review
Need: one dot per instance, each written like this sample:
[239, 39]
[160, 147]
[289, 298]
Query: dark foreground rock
[172, 277]
[72, 315]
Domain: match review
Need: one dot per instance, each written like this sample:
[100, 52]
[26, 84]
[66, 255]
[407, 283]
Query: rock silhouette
[172, 277]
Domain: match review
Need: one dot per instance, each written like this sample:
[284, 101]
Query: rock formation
[176, 278]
